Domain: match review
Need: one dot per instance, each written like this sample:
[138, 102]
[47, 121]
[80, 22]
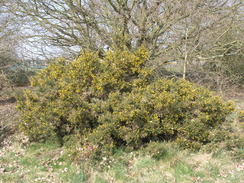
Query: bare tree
[225, 63]
[181, 30]
[96, 24]
[9, 39]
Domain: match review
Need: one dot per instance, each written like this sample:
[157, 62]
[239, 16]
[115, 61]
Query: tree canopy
[163, 26]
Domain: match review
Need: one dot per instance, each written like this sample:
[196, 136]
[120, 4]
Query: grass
[46, 162]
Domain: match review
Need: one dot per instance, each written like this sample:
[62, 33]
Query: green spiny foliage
[115, 102]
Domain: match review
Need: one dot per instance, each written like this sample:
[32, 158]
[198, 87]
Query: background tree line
[204, 38]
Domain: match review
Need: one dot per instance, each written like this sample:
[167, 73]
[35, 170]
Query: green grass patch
[156, 163]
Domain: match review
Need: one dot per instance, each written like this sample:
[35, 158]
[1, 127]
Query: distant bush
[19, 77]
[115, 101]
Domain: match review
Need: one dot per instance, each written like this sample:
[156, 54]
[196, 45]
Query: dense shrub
[115, 101]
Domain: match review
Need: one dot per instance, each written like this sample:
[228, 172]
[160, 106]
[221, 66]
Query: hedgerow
[115, 101]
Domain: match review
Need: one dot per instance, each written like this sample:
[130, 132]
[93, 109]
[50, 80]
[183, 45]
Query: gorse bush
[115, 101]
